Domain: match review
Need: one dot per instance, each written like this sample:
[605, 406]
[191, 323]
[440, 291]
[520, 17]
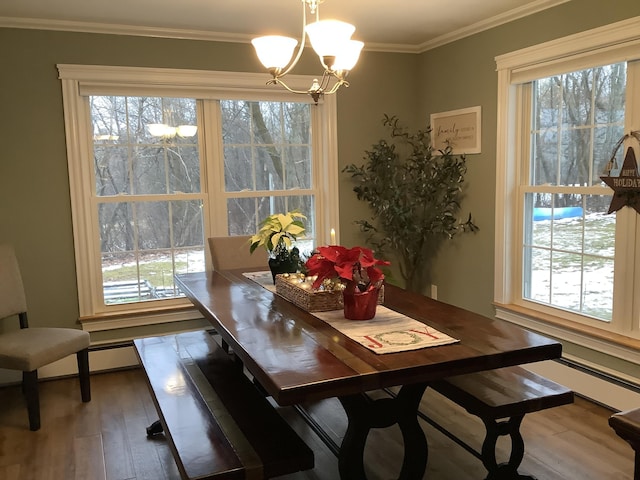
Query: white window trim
[608, 44]
[79, 81]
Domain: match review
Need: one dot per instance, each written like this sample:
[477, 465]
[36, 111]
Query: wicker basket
[312, 300]
[308, 300]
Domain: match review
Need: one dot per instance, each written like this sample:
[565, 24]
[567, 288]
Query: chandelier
[331, 40]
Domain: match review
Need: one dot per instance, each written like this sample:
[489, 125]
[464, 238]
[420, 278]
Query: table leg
[509, 470]
[364, 413]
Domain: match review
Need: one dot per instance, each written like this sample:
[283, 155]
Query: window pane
[577, 119]
[112, 170]
[267, 145]
[142, 276]
[151, 221]
[187, 227]
[568, 252]
[245, 214]
[141, 254]
[149, 174]
[116, 227]
[605, 139]
[184, 167]
[569, 239]
[537, 281]
[147, 146]
[566, 280]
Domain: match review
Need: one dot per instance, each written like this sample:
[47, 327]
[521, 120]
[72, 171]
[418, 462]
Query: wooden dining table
[296, 357]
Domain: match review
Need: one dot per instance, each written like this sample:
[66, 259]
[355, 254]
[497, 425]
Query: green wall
[35, 212]
[463, 74]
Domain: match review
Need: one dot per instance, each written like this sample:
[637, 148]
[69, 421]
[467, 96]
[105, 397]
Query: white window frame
[81, 81]
[605, 45]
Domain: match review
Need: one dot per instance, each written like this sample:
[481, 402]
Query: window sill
[610, 343]
[115, 321]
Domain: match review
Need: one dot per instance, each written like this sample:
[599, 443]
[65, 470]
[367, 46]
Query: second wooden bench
[218, 425]
[627, 426]
[501, 398]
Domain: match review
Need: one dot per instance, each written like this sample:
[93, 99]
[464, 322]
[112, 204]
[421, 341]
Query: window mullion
[214, 161]
[632, 123]
[524, 173]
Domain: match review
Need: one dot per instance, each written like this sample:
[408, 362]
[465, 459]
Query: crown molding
[510, 16]
[117, 29]
[187, 34]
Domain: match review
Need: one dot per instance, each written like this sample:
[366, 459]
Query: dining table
[297, 357]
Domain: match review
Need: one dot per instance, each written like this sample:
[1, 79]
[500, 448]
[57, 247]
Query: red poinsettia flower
[356, 266]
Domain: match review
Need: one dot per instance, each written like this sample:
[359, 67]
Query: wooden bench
[501, 398]
[218, 425]
[627, 426]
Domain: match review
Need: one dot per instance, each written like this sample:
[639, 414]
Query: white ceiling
[396, 25]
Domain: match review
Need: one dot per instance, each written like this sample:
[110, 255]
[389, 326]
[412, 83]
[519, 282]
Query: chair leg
[83, 374]
[30, 389]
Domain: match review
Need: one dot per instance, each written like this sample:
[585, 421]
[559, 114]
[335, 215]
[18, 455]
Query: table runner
[388, 332]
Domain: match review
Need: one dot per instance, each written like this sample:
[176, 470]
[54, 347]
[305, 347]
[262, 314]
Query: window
[267, 148]
[569, 239]
[564, 266]
[148, 195]
[159, 160]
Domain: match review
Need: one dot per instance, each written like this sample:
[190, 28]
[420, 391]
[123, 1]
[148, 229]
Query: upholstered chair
[233, 252]
[28, 349]
[228, 253]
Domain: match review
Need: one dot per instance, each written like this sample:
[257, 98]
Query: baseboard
[99, 360]
[594, 385]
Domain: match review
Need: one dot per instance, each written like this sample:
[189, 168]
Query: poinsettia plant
[356, 267]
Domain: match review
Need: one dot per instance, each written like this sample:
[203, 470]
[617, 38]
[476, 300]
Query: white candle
[333, 236]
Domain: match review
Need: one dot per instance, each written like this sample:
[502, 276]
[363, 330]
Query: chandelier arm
[326, 78]
[303, 41]
[277, 81]
[340, 82]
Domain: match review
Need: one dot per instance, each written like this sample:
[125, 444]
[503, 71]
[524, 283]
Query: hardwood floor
[105, 439]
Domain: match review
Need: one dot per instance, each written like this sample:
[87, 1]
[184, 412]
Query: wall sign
[459, 128]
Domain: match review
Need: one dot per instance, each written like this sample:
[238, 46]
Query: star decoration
[626, 186]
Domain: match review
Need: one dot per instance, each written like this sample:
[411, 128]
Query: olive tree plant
[414, 194]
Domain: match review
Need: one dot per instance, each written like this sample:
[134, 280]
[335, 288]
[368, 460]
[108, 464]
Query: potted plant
[276, 234]
[357, 269]
[415, 196]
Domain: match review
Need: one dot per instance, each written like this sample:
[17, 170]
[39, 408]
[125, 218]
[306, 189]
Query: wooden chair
[233, 252]
[28, 349]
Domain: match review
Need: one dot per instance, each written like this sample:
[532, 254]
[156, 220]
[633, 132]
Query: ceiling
[392, 25]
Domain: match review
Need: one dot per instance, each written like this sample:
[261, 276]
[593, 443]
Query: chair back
[233, 252]
[12, 299]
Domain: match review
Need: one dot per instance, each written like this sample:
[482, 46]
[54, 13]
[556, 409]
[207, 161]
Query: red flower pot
[360, 305]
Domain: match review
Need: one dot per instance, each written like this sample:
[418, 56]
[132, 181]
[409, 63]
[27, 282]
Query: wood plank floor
[105, 439]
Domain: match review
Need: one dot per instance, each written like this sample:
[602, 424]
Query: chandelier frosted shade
[348, 55]
[274, 51]
[328, 37]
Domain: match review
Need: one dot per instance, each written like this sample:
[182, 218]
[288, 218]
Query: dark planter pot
[277, 265]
